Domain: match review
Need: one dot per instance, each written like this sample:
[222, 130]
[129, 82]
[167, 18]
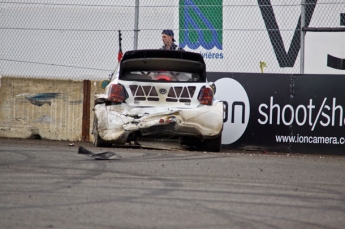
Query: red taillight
[205, 96]
[117, 93]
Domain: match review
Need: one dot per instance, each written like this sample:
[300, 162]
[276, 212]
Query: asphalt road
[46, 184]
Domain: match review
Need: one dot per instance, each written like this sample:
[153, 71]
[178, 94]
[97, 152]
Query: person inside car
[168, 40]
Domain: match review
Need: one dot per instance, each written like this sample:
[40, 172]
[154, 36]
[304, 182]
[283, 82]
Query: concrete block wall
[43, 108]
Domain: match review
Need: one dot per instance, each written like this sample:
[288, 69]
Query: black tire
[97, 140]
[190, 143]
[212, 145]
[208, 145]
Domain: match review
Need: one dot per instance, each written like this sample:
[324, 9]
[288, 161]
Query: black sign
[292, 113]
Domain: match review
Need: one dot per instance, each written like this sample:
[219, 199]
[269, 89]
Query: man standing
[168, 40]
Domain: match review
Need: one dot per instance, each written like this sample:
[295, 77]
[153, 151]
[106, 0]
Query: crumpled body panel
[202, 122]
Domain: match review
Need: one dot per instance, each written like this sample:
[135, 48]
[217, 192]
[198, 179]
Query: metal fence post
[136, 24]
[302, 37]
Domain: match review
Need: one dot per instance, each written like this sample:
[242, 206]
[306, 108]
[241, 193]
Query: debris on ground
[99, 156]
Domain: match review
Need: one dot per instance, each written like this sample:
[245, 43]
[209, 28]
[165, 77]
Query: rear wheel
[209, 145]
[212, 145]
[97, 140]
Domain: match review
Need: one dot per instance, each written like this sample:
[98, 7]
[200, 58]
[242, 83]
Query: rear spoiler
[165, 60]
[161, 53]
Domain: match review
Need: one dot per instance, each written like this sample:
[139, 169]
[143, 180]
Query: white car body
[160, 109]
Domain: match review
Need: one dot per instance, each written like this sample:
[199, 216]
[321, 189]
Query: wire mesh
[78, 40]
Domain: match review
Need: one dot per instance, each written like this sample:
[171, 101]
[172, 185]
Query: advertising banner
[281, 112]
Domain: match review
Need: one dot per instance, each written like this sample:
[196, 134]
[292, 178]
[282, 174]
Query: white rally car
[160, 96]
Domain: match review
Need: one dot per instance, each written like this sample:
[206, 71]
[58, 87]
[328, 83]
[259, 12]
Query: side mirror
[213, 86]
[104, 84]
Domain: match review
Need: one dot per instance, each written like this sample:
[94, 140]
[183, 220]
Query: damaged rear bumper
[117, 122]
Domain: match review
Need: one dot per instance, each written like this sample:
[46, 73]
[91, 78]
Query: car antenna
[119, 56]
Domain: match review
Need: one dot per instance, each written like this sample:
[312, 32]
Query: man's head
[168, 37]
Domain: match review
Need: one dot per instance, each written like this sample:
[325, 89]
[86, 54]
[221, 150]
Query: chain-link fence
[76, 39]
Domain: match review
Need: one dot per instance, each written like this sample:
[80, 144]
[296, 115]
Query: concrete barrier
[45, 108]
